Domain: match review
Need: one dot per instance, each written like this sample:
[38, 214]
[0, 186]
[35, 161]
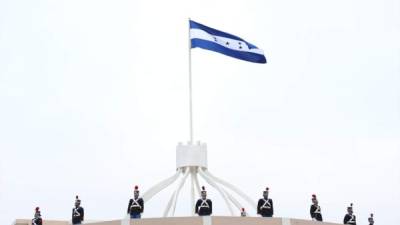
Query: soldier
[77, 212]
[350, 218]
[136, 205]
[203, 206]
[243, 213]
[265, 205]
[371, 219]
[37, 220]
[315, 209]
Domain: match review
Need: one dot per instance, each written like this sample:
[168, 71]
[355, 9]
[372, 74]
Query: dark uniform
[315, 212]
[78, 212]
[77, 215]
[203, 206]
[135, 205]
[265, 206]
[315, 209]
[350, 218]
[371, 219]
[37, 220]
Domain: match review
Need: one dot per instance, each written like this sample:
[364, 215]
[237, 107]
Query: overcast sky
[94, 99]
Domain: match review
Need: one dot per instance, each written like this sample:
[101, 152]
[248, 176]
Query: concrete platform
[214, 220]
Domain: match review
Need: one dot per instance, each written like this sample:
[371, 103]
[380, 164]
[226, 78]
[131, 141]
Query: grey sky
[93, 100]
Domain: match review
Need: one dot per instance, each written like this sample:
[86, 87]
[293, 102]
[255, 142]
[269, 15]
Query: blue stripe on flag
[212, 31]
[247, 56]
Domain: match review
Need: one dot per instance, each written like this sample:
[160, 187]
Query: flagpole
[190, 88]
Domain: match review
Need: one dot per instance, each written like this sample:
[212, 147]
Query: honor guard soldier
[243, 213]
[37, 219]
[77, 212]
[265, 206]
[371, 219]
[203, 206]
[136, 205]
[315, 209]
[350, 218]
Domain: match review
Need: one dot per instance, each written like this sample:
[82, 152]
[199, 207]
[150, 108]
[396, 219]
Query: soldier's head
[371, 219]
[266, 192]
[314, 199]
[350, 209]
[136, 192]
[77, 201]
[203, 193]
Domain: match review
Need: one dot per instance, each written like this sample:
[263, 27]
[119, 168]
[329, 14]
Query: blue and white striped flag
[218, 41]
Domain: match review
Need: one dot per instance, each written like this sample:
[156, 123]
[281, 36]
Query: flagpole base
[191, 155]
[191, 160]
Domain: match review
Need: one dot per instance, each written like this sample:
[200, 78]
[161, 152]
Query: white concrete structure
[191, 161]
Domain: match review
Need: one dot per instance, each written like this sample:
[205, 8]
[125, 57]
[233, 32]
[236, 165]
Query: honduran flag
[211, 39]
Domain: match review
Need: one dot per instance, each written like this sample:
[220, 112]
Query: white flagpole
[190, 89]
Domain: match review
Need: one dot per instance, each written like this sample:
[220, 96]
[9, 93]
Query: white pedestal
[191, 155]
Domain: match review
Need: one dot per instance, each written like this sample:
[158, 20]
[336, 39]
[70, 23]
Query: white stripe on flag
[232, 43]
